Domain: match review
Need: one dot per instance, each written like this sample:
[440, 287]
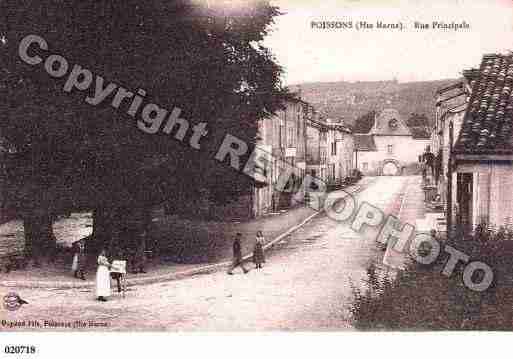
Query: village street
[305, 284]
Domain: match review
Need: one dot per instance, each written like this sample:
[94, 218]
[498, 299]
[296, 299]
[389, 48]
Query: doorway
[390, 169]
[465, 203]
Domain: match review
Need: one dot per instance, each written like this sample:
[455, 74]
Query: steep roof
[488, 123]
[364, 143]
[389, 122]
[324, 125]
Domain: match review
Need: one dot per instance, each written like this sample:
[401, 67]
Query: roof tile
[364, 143]
[488, 123]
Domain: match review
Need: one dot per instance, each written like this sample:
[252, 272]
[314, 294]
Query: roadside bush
[422, 298]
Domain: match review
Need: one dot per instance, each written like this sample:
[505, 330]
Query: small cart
[118, 268]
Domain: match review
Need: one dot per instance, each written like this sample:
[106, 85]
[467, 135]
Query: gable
[390, 123]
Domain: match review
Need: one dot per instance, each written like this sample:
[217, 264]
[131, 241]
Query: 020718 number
[20, 349]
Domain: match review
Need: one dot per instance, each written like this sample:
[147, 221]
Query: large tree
[364, 123]
[208, 61]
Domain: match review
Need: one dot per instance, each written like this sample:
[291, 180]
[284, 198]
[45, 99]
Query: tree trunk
[104, 225]
[29, 229]
[40, 240]
[146, 219]
[119, 228]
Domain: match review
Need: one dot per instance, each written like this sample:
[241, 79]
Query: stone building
[340, 154]
[450, 108]
[330, 147]
[317, 148]
[284, 136]
[483, 152]
[389, 146]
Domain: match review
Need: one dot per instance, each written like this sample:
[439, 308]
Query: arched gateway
[390, 146]
[391, 167]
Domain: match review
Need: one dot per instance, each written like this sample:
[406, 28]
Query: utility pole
[356, 156]
[449, 182]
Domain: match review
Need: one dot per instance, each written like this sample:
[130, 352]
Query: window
[365, 166]
[262, 166]
[291, 137]
[283, 135]
[323, 155]
[390, 149]
[334, 148]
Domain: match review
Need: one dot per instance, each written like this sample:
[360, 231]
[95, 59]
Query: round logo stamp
[12, 301]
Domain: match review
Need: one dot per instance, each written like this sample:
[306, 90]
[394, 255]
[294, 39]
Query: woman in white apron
[103, 277]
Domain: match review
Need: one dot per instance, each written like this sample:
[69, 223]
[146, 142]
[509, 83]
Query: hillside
[350, 100]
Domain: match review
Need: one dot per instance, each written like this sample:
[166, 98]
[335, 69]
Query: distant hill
[350, 100]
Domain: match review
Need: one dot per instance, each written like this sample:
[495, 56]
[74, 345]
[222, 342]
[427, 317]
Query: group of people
[105, 271]
[258, 253]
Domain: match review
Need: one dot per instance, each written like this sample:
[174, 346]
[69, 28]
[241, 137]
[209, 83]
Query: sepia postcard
[249, 166]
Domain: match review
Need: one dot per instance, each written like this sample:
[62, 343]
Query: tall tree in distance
[208, 61]
[364, 123]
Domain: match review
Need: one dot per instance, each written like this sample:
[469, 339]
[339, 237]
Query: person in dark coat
[429, 160]
[79, 259]
[237, 255]
[258, 251]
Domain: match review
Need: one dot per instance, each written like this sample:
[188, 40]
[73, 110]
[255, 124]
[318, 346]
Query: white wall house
[389, 146]
[483, 152]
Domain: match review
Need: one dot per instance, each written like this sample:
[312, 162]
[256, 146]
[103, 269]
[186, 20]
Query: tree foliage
[364, 123]
[417, 120]
[207, 61]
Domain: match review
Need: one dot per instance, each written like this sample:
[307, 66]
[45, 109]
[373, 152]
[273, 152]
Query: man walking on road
[237, 255]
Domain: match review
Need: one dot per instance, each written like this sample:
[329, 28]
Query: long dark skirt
[258, 254]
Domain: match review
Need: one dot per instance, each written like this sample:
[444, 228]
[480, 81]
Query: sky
[316, 55]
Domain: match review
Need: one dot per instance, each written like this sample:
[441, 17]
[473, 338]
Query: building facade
[389, 146]
[483, 152]
[340, 148]
[450, 109]
[284, 137]
[317, 148]
[330, 147]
